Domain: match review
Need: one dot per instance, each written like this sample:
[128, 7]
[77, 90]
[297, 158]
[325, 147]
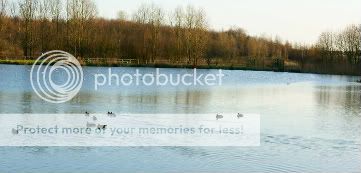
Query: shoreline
[223, 67]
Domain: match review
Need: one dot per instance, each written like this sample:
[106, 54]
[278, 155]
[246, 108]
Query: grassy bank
[18, 62]
[288, 67]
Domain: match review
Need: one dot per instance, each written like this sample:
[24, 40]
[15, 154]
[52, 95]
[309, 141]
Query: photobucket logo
[56, 76]
[158, 78]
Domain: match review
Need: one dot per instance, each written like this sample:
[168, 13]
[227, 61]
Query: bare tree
[44, 16]
[189, 34]
[359, 42]
[28, 13]
[55, 9]
[14, 10]
[156, 21]
[81, 9]
[141, 15]
[326, 44]
[44, 10]
[150, 17]
[352, 39]
[177, 22]
[55, 12]
[79, 15]
[3, 6]
[348, 42]
[122, 15]
[196, 36]
[340, 44]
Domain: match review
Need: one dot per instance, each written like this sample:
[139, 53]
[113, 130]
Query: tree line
[182, 35]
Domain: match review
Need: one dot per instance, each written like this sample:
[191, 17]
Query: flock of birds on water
[98, 126]
[219, 116]
[111, 114]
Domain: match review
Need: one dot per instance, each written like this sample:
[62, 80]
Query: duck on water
[239, 115]
[219, 116]
[111, 114]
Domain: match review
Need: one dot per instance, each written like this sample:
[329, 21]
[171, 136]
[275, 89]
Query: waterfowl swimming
[101, 126]
[87, 113]
[239, 115]
[111, 114]
[219, 116]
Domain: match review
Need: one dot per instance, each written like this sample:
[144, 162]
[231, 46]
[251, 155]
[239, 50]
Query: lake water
[309, 123]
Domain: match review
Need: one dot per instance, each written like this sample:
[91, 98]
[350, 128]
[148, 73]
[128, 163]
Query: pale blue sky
[294, 20]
